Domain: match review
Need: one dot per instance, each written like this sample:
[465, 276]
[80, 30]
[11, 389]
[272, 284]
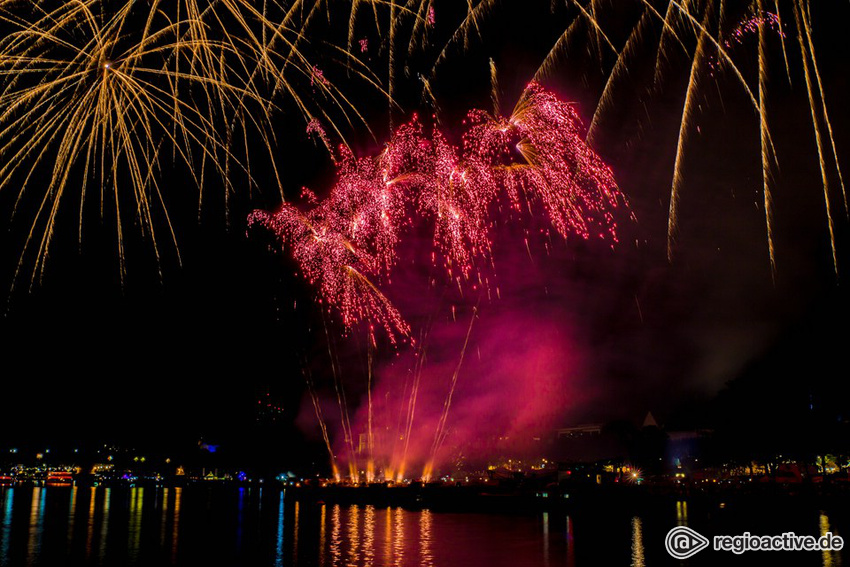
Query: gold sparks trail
[94, 94]
[706, 33]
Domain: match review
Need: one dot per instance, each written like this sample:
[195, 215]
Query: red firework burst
[536, 158]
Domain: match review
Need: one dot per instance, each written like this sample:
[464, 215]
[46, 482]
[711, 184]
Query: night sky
[612, 333]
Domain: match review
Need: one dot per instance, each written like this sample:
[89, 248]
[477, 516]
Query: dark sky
[184, 356]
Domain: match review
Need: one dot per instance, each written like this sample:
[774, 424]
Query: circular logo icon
[683, 542]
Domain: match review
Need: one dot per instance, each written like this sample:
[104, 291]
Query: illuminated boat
[59, 478]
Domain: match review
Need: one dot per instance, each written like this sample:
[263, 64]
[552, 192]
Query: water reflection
[36, 524]
[6, 532]
[164, 517]
[135, 527]
[637, 543]
[175, 530]
[297, 514]
[353, 540]
[90, 524]
[336, 541]
[369, 536]
[322, 536]
[72, 506]
[571, 552]
[278, 557]
[398, 537]
[681, 513]
[104, 522]
[353, 534]
[427, 560]
[206, 525]
[388, 536]
[830, 558]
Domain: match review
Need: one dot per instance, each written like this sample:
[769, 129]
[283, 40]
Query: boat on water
[59, 478]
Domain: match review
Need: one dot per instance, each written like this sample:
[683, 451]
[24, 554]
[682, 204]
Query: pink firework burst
[536, 159]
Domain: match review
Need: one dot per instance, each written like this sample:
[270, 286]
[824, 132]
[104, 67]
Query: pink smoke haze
[519, 379]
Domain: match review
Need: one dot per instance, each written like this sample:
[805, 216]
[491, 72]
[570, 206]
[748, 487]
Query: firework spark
[404, 27]
[708, 33]
[537, 157]
[96, 93]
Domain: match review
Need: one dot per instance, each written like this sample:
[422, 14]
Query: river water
[231, 526]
